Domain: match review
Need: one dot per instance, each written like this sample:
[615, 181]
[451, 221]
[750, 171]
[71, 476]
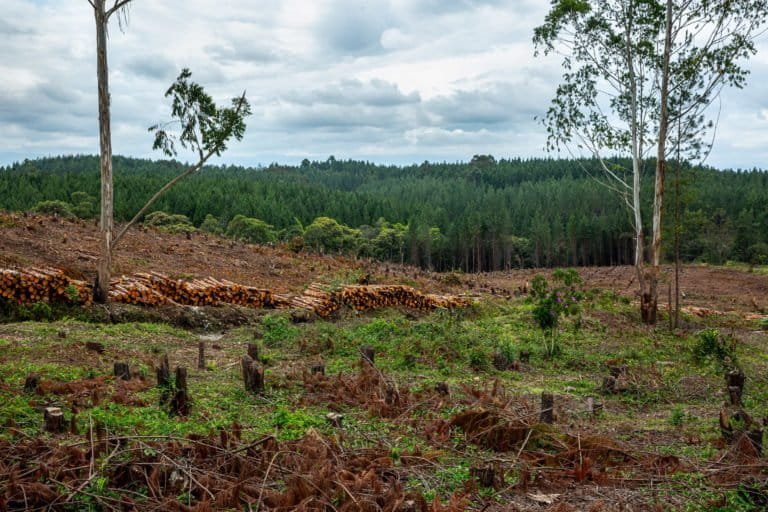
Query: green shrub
[254, 231]
[711, 345]
[211, 225]
[170, 223]
[60, 208]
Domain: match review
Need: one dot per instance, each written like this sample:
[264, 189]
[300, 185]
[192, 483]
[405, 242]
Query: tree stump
[609, 385]
[94, 346]
[618, 371]
[253, 375]
[317, 369]
[442, 388]
[201, 356]
[73, 424]
[525, 356]
[53, 420]
[253, 351]
[485, 475]
[735, 380]
[500, 362]
[547, 408]
[594, 407]
[180, 403]
[163, 373]
[390, 396]
[122, 371]
[31, 383]
[367, 355]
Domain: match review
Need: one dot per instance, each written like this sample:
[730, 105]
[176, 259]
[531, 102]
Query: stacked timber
[317, 299]
[128, 290]
[207, 291]
[41, 284]
[367, 297]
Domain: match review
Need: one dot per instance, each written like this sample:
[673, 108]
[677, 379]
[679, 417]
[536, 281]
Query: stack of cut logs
[42, 285]
[363, 298]
[155, 289]
[316, 299]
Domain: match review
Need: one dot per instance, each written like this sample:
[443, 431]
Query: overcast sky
[393, 81]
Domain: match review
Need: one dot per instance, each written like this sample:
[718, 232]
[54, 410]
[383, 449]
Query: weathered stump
[180, 403]
[367, 355]
[53, 420]
[253, 375]
[735, 380]
[525, 356]
[547, 408]
[163, 373]
[73, 424]
[317, 369]
[201, 356]
[442, 388]
[486, 476]
[122, 371]
[94, 346]
[609, 385]
[253, 351]
[500, 361]
[31, 383]
[593, 406]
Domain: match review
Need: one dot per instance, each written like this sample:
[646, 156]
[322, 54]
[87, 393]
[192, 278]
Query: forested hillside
[476, 216]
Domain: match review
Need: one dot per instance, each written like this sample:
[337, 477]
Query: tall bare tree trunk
[101, 290]
[658, 197]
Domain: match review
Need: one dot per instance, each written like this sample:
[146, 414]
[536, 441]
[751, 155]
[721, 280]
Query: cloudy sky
[393, 81]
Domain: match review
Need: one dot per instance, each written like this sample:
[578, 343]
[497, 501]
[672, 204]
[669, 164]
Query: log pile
[42, 284]
[155, 289]
[316, 299]
[198, 292]
[367, 297]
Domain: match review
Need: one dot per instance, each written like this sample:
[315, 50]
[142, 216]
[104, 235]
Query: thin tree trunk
[101, 290]
[658, 198]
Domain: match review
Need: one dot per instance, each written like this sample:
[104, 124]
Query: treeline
[476, 216]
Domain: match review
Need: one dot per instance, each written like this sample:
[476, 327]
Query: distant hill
[476, 216]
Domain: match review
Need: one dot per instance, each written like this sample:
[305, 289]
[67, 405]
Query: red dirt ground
[29, 240]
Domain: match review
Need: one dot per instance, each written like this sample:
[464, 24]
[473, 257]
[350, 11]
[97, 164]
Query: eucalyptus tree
[198, 125]
[103, 12]
[633, 68]
[607, 103]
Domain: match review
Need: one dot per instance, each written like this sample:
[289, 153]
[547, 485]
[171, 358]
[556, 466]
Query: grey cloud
[352, 27]
[8, 29]
[155, 67]
[248, 52]
[500, 103]
[376, 93]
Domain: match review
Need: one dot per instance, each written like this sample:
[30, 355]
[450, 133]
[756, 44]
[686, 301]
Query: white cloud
[390, 80]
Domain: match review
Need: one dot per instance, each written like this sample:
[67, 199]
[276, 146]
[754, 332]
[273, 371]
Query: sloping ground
[32, 240]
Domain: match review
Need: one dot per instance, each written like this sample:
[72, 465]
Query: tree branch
[157, 195]
[119, 4]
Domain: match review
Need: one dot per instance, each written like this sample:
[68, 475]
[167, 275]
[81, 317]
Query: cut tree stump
[31, 383]
[593, 406]
[122, 371]
[73, 424]
[367, 355]
[163, 372]
[525, 356]
[253, 351]
[735, 380]
[317, 369]
[253, 375]
[486, 476]
[500, 362]
[94, 346]
[53, 420]
[201, 356]
[609, 385]
[547, 408]
[180, 403]
[442, 388]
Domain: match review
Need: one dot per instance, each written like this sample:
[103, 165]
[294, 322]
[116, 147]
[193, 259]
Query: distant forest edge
[477, 216]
